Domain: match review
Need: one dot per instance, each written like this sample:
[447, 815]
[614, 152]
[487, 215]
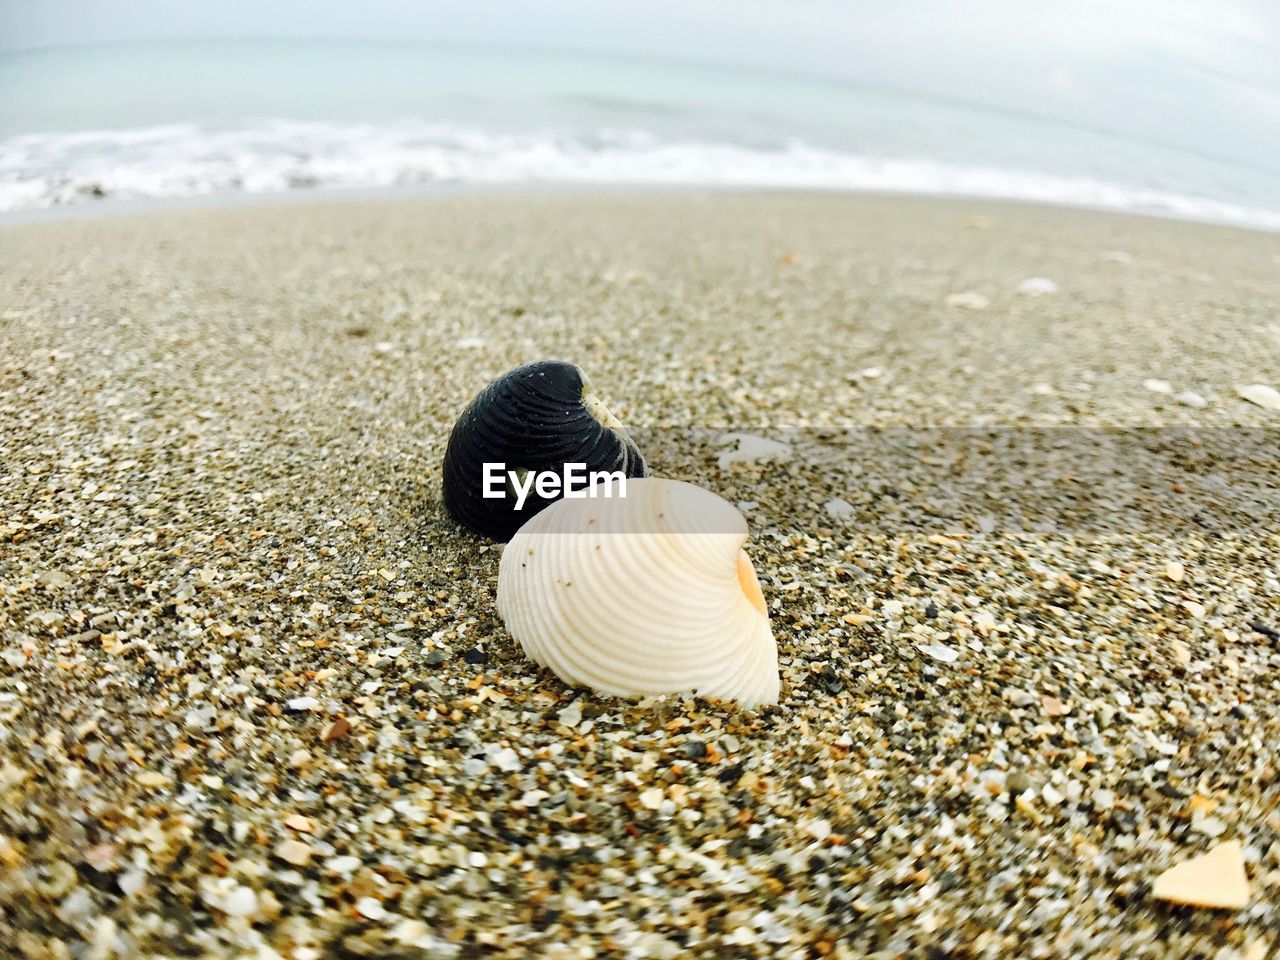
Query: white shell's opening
[749, 583]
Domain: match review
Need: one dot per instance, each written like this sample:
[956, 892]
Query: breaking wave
[276, 156]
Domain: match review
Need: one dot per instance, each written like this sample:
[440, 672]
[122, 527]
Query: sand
[254, 695]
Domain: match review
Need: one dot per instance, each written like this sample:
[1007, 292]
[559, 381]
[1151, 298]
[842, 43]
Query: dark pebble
[730, 774]
[1017, 782]
[1124, 821]
[1271, 633]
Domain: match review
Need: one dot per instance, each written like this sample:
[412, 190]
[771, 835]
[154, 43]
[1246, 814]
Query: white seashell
[1261, 394]
[641, 595]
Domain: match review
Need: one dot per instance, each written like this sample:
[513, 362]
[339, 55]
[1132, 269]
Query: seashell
[649, 593]
[533, 419]
[1262, 394]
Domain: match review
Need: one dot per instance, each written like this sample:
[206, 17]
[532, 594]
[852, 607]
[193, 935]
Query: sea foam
[276, 156]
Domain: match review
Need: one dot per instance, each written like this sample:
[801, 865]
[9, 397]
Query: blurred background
[1162, 106]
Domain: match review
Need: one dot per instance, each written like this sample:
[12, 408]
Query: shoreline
[128, 206]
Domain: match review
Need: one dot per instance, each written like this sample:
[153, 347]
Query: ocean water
[80, 125]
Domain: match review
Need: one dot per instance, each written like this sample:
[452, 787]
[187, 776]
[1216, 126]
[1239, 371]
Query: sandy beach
[255, 699]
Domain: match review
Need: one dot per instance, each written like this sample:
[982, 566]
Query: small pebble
[838, 509]
[652, 798]
[240, 902]
[336, 729]
[940, 652]
[294, 852]
[968, 301]
[1037, 286]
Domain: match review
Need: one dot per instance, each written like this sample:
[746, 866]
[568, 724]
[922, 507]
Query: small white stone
[370, 909]
[742, 936]
[1158, 386]
[300, 704]
[131, 881]
[103, 941]
[411, 811]
[940, 652]
[818, 829]
[240, 902]
[77, 907]
[506, 760]
[571, 715]
[1181, 652]
[651, 799]
[1189, 398]
[477, 859]
[1037, 286]
[415, 933]
[968, 300]
[838, 509]
[1209, 826]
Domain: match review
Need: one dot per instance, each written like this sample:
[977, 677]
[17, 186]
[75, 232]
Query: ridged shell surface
[534, 418]
[642, 595]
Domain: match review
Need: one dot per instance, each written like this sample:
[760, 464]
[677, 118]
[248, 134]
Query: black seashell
[535, 418]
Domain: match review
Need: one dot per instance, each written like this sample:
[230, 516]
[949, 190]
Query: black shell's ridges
[531, 418]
